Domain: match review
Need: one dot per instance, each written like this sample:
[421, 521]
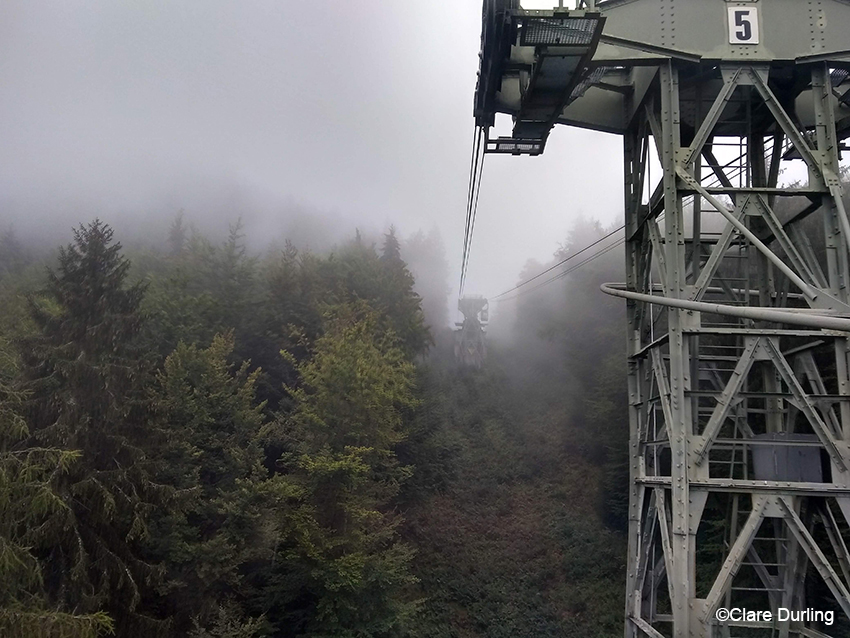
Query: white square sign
[743, 25]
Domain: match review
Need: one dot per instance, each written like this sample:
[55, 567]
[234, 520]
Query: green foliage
[402, 303]
[177, 313]
[208, 423]
[232, 271]
[304, 287]
[177, 236]
[31, 505]
[571, 340]
[296, 290]
[86, 384]
[356, 387]
[52, 624]
[300, 288]
[208, 417]
[236, 447]
[349, 413]
[430, 448]
[512, 545]
[229, 623]
[201, 288]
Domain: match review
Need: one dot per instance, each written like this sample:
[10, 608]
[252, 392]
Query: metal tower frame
[470, 345]
[716, 386]
[737, 291]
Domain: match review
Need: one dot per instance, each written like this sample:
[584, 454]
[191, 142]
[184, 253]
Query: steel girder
[739, 423]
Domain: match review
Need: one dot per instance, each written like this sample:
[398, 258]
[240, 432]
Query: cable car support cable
[561, 263]
[475, 171]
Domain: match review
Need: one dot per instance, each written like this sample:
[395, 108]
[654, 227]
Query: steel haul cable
[560, 263]
[473, 161]
[566, 272]
[475, 172]
[474, 213]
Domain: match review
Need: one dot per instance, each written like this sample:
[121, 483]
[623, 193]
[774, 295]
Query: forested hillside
[200, 441]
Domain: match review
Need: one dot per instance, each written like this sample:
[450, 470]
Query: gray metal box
[784, 462]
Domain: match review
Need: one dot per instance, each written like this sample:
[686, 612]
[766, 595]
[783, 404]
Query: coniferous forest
[202, 440]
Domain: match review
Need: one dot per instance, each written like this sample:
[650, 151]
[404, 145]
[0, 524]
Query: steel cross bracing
[737, 287]
[731, 502]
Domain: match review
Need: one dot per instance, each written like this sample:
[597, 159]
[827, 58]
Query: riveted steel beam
[816, 555]
[734, 558]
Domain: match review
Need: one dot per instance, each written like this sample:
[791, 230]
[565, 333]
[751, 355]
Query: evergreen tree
[355, 396]
[177, 311]
[177, 236]
[392, 249]
[31, 507]
[86, 380]
[234, 272]
[229, 623]
[208, 425]
[209, 289]
[402, 305]
[290, 316]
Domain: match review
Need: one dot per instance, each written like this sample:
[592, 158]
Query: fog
[330, 115]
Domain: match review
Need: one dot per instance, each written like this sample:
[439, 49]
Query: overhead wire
[559, 264]
[472, 164]
[566, 272]
[474, 211]
[475, 172]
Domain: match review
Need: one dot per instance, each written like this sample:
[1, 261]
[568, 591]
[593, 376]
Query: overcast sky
[359, 111]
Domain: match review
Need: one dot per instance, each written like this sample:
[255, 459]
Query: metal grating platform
[557, 31]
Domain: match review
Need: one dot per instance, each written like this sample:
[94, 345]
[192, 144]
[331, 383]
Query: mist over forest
[282, 356]
[231, 402]
[207, 434]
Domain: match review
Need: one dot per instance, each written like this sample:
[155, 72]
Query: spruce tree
[31, 507]
[209, 425]
[392, 249]
[177, 236]
[86, 382]
[342, 569]
[403, 306]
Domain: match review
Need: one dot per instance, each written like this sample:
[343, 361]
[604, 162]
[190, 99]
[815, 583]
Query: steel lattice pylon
[724, 407]
[737, 287]
[470, 346]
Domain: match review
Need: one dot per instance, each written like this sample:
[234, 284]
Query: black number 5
[742, 19]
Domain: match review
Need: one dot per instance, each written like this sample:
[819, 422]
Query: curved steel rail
[822, 319]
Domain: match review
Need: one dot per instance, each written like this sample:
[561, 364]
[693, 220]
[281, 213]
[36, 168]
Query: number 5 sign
[743, 25]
